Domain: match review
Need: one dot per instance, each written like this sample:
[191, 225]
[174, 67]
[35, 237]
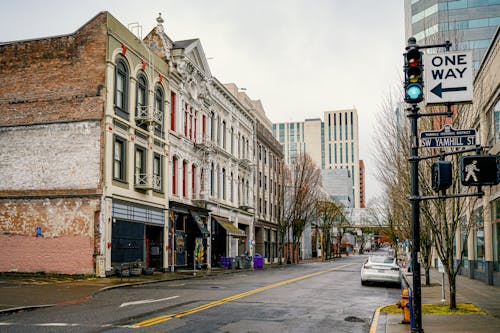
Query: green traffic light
[414, 91]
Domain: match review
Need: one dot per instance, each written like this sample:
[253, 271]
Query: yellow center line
[161, 319]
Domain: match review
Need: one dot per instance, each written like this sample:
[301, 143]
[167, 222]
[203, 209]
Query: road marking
[373, 327]
[6, 324]
[56, 324]
[161, 319]
[146, 301]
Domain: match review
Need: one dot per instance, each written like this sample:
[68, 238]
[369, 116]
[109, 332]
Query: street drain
[352, 319]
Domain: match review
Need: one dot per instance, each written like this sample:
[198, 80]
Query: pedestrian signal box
[441, 175]
[479, 170]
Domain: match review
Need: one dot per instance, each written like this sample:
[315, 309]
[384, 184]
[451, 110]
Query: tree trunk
[427, 276]
[453, 293]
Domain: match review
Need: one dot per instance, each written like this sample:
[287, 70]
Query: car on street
[381, 268]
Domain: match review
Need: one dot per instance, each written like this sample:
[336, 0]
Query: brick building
[82, 153]
[120, 149]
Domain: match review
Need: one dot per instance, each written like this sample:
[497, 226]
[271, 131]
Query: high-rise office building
[332, 143]
[468, 24]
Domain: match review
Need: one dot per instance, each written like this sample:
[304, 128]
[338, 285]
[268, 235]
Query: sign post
[448, 77]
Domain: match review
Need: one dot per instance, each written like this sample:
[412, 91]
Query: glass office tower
[468, 24]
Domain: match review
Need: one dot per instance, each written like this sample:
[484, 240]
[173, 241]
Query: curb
[374, 324]
[25, 308]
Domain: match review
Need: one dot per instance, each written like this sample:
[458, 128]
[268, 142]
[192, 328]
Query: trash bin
[225, 262]
[258, 261]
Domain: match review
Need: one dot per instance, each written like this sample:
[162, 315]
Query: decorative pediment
[193, 50]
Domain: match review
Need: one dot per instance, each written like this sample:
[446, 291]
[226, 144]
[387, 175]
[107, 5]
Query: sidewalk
[472, 291]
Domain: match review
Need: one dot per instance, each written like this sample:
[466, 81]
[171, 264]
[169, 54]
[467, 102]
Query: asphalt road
[310, 297]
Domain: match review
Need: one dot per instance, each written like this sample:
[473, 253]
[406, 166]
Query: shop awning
[231, 229]
[199, 222]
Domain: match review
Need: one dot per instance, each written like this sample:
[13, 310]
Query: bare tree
[441, 221]
[327, 211]
[283, 217]
[301, 189]
[448, 218]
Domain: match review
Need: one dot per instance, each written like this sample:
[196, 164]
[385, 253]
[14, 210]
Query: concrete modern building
[332, 143]
[337, 183]
[468, 24]
[362, 179]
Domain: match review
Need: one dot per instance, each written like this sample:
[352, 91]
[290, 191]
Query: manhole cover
[354, 319]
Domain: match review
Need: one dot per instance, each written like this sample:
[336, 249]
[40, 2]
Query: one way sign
[448, 77]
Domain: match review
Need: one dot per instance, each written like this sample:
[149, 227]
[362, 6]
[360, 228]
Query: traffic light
[414, 81]
[479, 170]
[441, 175]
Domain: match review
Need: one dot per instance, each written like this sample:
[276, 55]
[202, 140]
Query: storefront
[189, 235]
[226, 238]
[137, 234]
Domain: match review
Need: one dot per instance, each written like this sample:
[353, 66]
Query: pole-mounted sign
[448, 77]
[448, 137]
[478, 170]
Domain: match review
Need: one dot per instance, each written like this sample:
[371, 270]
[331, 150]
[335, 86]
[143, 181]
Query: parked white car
[380, 269]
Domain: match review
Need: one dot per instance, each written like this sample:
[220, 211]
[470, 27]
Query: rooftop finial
[160, 20]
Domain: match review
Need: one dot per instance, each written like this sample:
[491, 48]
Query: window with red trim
[193, 178]
[184, 178]
[172, 110]
[174, 175]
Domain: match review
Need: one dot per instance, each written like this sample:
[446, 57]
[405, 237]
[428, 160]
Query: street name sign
[448, 77]
[448, 137]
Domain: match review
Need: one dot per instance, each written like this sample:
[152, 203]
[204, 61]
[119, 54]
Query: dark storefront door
[127, 241]
[180, 248]
[154, 247]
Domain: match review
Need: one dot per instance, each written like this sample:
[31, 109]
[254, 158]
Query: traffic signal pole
[415, 222]
[413, 95]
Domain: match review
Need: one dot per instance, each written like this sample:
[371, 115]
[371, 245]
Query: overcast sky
[299, 57]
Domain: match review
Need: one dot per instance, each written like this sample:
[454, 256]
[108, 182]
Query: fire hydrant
[404, 304]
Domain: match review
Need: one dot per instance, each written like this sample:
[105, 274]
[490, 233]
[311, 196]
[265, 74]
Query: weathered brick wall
[51, 146]
[67, 244]
[64, 255]
[53, 156]
[54, 79]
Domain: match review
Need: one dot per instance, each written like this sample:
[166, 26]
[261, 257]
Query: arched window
[184, 179]
[121, 88]
[212, 176]
[231, 191]
[193, 181]
[174, 175]
[223, 184]
[212, 126]
[172, 110]
[158, 110]
[223, 136]
[142, 95]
